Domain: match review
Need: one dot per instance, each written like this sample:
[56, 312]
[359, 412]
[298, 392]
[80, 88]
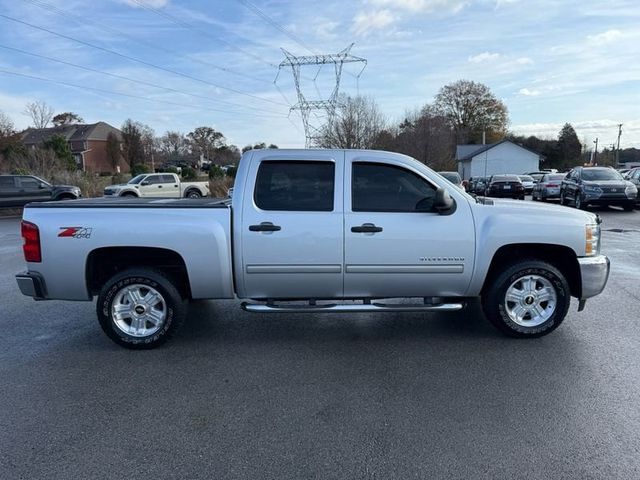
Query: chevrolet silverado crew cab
[315, 231]
[158, 185]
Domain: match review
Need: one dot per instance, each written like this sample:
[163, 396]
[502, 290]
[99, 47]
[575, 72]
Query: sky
[179, 64]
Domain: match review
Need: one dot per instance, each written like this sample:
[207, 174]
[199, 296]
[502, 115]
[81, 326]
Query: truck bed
[124, 202]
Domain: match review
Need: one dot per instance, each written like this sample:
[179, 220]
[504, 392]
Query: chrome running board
[353, 308]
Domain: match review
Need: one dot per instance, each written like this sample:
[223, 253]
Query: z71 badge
[75, 232]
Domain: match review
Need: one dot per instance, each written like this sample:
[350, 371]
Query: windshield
[525, 178]
[593, 174]
[137, 179]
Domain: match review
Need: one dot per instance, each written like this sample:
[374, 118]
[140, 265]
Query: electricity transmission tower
[318, 113]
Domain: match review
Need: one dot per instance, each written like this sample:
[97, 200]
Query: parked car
[536, 175]
[477, 185]
[158, 185]
[453, 177]
[18, 190]
[548, 187]
[505, 186]
[527, 183]
[584, 186]
[633, 176]
[315, 226]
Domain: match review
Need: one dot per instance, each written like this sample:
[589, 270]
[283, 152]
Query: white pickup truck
[315, 231]
[158, 185]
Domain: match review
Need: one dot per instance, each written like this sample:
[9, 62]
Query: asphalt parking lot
[239, 395]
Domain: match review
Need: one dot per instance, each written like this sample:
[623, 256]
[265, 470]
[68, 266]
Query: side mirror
[444, 204]
[42, 186]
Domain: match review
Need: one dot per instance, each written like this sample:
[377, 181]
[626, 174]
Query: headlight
[592, 240]
[631, 191]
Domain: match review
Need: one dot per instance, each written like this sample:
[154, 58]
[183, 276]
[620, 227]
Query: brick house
[88, 144]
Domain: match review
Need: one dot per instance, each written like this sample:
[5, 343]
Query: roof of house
[467, 152]
[75, 132]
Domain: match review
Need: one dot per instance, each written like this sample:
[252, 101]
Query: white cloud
[484, 57]
[148, 3]
[605, 37]
[423, 5]
[524, 61]
[364, 23]
[528, 93]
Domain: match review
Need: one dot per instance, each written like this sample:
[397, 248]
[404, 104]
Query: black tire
[629, 207]
[193, 193]
[495, 305]
[563, 200]
[174, 307]
[66, 196]
[129, 195]
[578, 202]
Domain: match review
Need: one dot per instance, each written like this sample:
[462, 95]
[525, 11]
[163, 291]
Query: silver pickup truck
[315, 231]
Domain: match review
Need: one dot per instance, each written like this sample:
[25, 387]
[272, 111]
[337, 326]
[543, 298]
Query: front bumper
[594, 272]
[31, 284]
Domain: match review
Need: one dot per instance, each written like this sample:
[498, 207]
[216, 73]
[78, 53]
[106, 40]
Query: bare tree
[6, 125]
[357, 125]
[426, 136]
[40, 113]
[472, 108]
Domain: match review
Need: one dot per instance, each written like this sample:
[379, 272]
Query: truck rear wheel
[529, 299]
[140, 308]
[193, 193]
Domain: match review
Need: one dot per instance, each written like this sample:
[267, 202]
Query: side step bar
[354, 308]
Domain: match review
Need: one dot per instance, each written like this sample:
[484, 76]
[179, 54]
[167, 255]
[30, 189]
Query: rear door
[292, 227]
[170, 186]
[396, 245]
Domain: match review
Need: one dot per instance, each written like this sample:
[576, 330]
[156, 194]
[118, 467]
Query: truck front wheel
[529, 299]
[140, 308]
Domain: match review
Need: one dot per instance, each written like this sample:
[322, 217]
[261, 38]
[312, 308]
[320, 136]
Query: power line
[190, 26]
[83, 21]
[272, 22]
[122, 77]
[137, 60]
[112, 92]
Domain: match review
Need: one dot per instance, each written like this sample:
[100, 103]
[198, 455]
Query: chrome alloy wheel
[139, 310]
[530, 300]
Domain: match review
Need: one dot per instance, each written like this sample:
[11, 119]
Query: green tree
[472, 108]
[569, 147]
[60, 147]
[67, 118]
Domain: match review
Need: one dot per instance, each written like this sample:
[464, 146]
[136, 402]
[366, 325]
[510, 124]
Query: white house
[495, 158]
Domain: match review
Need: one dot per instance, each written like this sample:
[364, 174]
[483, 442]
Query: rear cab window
[298, 186]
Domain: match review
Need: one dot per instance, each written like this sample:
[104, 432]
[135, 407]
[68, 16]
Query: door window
[295, 186]
[6, 182]
[168, 179]
[379, 187]
[154, 179]
[29, 183]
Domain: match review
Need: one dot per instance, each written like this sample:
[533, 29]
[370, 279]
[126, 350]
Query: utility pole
[595, 153]
[618, 149]
[313, 125]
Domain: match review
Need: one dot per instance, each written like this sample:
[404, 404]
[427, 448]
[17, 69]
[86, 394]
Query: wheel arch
[104, 263]
[560, 256]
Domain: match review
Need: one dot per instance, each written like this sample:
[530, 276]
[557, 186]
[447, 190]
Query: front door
[396, 244]
[152, 186]
[292, 228]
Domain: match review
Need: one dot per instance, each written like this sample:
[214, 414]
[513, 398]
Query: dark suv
[18, 190]
[584, 186]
